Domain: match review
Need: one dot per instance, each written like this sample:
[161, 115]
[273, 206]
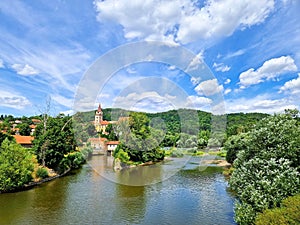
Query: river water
[189, 194]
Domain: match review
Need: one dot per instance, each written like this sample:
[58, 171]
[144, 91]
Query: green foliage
[266, 167]
[139, 140]
[24, 129]
[5, 136]
[235, 144]
[42, 173]
[120, 154]
[53, 143]
[74, 160]
[16, 166]
[288, 213]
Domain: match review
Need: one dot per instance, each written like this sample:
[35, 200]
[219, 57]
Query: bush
[263, 184]
[288, 213]
[16, 166]
[42, 173]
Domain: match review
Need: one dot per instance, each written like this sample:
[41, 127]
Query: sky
[222, 56]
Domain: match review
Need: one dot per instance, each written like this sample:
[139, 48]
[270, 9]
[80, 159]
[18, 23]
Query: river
[164, 193]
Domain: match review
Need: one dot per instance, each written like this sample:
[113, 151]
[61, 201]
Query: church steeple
[99, 115]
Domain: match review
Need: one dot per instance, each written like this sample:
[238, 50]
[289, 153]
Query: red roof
[104, 122]
[112, 142]
[23, 139]
[32, 126]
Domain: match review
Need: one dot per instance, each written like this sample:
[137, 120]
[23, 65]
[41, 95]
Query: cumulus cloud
[182, 20]
[221, 67]
[198, 102]
[149, 101]
[209, 87]
[227, 81]
[260, 103]
[271, 69]
[11, 100]
[24, 69]
[292, 86]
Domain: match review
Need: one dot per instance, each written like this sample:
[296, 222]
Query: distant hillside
[174, 123]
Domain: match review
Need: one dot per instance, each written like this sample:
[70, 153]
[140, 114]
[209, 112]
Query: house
[32, 127]
[111, 146]
[98, 143]
[36, 121]
[25, 141]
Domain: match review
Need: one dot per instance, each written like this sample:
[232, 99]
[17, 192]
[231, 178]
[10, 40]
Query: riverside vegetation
[54, 152]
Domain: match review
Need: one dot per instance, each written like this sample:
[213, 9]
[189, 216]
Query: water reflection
[88, 197]
[131, 202]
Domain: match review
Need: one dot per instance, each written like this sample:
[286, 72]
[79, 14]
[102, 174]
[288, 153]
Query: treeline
[188, 127]
[54, 149]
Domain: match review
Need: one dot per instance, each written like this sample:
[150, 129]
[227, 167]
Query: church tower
[99, 115]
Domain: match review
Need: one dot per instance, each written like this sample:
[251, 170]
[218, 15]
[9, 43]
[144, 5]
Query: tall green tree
[56, 141]
[16, 166]
[138, 141]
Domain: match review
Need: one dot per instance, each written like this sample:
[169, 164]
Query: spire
[99, 108]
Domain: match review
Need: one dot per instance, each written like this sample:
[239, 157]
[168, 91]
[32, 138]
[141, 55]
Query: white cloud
[63, 100]
[147, 101]
[221, 67]
[236, 53]
[271, 69]
[209, 87]
[172, 67]
[198, 102]
[292, 86]
[227, 91]
[13, 100]
[195, 80]
[227, 81]
[181, 20]
[1, 63]
[24, 69]
[260, 103]
[196, 62]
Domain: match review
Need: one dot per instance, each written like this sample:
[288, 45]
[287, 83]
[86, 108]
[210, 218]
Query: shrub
[288, 213]
[42, 173]
[16, 166]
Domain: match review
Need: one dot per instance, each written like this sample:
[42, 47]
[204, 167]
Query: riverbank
[33, 184]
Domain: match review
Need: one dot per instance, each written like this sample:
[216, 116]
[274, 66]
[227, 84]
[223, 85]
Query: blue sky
[251, 47]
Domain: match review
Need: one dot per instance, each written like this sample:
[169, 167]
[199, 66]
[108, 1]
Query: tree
[16, 166]
[235, 144]
[53, 144]
[24, 129]
[267, 169]
[137, 140]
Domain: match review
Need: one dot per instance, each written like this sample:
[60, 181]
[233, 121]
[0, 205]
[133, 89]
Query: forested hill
[180, 120]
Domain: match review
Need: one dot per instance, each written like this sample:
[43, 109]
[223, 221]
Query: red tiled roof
[112, 142]
[23, 139]
[104, 122]
[35, 120]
